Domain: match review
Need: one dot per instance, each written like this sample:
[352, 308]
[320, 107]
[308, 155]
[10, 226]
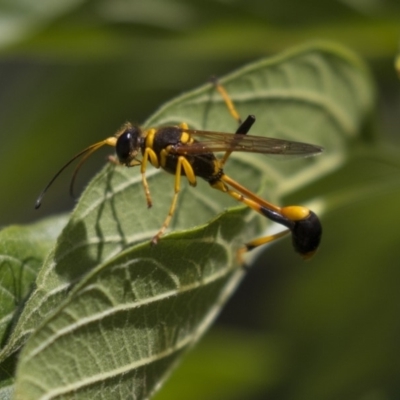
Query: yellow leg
[254, 205]
[259, 242]
[114, 160]
[148, 154]
[232, 110]
[264, 240]
[182, 163]
[257, 199]
[228, 101]
[146, 190]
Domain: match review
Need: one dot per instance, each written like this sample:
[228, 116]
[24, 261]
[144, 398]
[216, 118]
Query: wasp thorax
[128, 144]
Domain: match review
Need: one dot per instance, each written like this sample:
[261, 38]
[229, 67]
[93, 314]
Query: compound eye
[128, 144]
[124, 146]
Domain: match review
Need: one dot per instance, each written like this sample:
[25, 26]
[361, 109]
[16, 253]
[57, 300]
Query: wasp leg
[242, 130]
[231, 182]
[227, 99]
[146, 190]
[182, 163]
[244, 126]
[254, 205]
[258, 242]
[148, 154]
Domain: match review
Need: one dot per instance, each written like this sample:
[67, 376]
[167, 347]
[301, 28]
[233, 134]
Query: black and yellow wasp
[187, 152]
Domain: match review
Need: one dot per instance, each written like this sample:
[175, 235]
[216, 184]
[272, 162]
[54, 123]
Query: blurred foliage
[71, 72]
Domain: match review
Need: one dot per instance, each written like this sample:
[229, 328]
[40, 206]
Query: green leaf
[22, 253]
[127, 311]
[146, 307]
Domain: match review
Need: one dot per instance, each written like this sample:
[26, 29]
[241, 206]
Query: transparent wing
[208, 141]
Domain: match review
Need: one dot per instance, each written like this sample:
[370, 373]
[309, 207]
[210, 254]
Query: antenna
[87, 152]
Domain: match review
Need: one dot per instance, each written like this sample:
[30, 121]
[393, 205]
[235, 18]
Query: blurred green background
[72, 71]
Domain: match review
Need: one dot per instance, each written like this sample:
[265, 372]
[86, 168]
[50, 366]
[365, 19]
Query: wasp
[186, 152]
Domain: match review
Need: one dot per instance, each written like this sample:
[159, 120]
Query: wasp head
[128, 144]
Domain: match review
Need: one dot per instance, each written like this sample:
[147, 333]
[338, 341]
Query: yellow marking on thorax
[186, 138]
[183, 126]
